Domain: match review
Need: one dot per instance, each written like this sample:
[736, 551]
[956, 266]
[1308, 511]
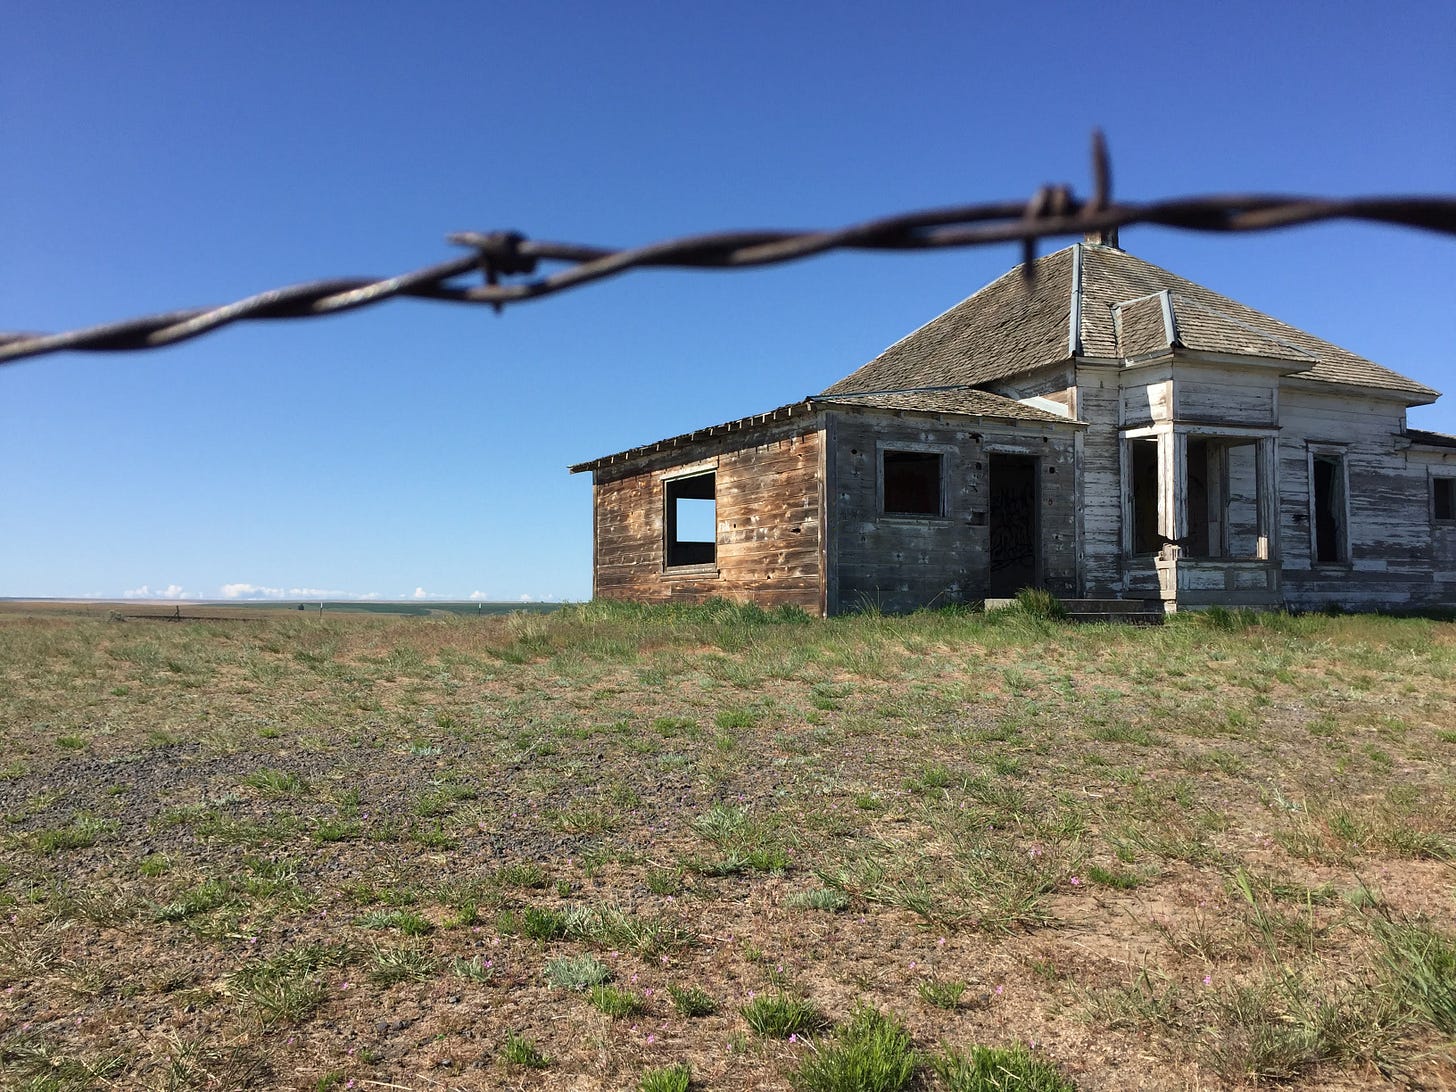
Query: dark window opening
[1445, 498]
[1146, 537]
[691, 521]
[1205, 530]
[1223, 499]
[1328, 488]
[912, 483]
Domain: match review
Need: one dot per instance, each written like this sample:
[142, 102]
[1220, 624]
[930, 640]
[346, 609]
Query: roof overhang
[854, 403]
[1329, 386]
[1421, 437]
[1179, 355]
[782, 413]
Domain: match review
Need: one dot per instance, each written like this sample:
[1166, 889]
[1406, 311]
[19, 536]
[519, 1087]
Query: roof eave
[1281, 364]
[1422, 396]
[1422, 437]
[1053, 420]
[743, 424]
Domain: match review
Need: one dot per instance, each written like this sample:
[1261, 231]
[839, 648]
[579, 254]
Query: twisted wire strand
[1052, 211]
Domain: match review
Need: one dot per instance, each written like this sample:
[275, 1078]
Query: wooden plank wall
[1099, 404]
[1434, 462]
[899, 563]
[1398, 557]
[769, 515]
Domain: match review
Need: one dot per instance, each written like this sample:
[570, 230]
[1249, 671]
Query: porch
[1200, 515]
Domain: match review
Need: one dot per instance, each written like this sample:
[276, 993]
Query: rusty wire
[1052, 211]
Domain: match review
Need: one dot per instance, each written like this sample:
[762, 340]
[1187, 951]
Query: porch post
[1173, 486]
[1266, 455]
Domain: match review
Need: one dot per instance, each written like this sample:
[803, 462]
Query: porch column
[1266, 455]
[1173, 486]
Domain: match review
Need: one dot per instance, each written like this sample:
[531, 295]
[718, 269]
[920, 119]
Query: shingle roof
[1430, 439]
[1143, 325]
[1165, 319]
[1013, 325]
[1017, 324]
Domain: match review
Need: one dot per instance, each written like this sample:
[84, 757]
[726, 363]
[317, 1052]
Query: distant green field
[379, 606]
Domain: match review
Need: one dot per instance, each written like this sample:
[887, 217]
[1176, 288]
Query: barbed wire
[1052, 211]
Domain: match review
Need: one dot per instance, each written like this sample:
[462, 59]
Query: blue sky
[159, 156]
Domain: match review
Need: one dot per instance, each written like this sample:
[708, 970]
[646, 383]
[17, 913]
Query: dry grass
[293, 851]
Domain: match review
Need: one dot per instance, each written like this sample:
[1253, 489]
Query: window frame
[1440, 482]
[669, 522]
[1172, 495]
[940, 451]
[1339, 455]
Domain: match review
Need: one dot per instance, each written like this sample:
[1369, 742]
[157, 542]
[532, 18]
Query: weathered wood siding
[1227, 396]
[1397, 556]
[898, 562]
[1434, 463]
[1099, 403]
[1241, 465]
[1058, 383]
[769, 521]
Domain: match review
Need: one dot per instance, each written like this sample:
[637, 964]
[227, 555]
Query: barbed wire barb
[1051, 212]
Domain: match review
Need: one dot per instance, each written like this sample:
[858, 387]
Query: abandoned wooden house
[1104, 429]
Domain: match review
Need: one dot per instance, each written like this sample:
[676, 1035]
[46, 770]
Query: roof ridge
[1074, 317]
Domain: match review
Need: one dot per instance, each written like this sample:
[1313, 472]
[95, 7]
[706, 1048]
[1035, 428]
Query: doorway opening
[1013, 525]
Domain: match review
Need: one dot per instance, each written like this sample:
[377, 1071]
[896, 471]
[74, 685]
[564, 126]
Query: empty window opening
[1223, 499]
[691, 520]
[1146, 538]
[1327, 486]
[912, 483]
[1444, 500]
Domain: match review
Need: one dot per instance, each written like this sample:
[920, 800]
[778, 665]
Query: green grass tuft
[1420, 961]
[614, 1002]
[668, 1078]
[409, 963]
[871, 1053]
[578, 972]
[272, 782]
[692, 1001]
[777, 1016]
[543, 923]
[998, 1069]
[518, 1050]
[943, 994]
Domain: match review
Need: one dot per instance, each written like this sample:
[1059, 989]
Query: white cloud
[261, 591]
[171, 591]
[249, 591]
[479, 596]
[420, 593]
